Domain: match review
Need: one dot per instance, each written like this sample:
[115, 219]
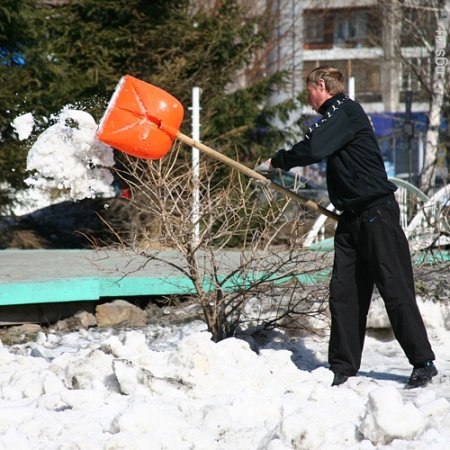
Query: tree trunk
[391, 65]
[439, 80]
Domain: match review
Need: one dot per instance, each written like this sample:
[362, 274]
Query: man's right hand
[264, 167]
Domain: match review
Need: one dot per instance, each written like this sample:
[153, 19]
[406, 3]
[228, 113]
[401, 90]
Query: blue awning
[386, 124]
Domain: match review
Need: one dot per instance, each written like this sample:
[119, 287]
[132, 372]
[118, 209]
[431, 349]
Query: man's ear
[321, 85]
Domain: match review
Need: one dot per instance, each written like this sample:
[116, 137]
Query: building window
[367, 73]
[318, 29]
[350, 28]
[314, 29]
[415, 75]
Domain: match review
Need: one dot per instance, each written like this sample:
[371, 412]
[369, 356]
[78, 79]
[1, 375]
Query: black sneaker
[339, 378]
[422, 374]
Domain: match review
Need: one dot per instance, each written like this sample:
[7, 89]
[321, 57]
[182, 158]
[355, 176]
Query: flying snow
[68, 156]
[23, 125]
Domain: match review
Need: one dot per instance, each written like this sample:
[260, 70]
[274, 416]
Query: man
[370, 245]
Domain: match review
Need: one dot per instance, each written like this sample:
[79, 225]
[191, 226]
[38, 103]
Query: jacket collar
[327, 103]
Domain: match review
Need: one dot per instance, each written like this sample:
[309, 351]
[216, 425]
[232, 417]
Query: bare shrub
[242, 276]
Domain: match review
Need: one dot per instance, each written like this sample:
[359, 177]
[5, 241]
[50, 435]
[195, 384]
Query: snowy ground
[171, 387]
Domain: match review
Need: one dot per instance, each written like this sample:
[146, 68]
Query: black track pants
[371, 248]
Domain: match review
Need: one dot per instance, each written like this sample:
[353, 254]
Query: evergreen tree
[14, 34]
[76, 53]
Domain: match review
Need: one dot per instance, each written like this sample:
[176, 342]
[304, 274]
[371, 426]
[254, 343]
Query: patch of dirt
[67, 225]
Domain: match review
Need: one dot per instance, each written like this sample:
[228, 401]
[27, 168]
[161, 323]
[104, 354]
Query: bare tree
[421, 44]
[243, 254]
[439, 90]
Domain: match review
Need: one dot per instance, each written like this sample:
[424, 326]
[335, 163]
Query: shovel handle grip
[255, 175]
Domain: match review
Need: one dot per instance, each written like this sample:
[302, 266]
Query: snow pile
[388, 418]
[162, 387]
[67, 155]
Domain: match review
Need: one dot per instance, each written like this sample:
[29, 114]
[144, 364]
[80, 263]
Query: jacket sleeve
[323, 139]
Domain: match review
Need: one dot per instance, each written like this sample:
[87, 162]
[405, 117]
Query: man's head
[322, 83]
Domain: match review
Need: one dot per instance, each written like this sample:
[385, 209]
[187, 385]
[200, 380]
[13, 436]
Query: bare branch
[239, 256]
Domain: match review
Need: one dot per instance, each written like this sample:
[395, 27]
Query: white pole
[421, 153]
[196, 91]
[351, 88]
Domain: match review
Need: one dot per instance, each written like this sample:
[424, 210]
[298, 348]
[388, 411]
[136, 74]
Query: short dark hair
[333, 78]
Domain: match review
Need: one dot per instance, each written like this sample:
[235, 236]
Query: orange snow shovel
[144, 120]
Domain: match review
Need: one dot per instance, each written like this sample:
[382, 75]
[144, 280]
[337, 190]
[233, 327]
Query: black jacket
[356, 177]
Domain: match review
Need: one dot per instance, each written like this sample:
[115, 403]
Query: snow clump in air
[23, 126]
[68, 156]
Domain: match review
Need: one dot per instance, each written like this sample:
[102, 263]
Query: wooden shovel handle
[255, 175]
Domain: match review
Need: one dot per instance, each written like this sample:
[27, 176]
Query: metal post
[351, 88]
[408, 131]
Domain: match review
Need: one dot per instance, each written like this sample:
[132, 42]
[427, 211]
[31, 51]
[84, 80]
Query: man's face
[317, 94]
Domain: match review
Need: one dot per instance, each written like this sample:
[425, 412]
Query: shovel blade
[141, 119]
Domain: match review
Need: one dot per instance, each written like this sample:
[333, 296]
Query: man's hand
[264, 167]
